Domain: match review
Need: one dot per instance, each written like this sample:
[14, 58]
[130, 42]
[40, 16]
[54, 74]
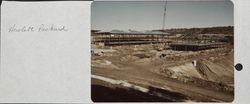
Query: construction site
[165, 65]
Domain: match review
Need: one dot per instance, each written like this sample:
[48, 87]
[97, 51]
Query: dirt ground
[202, 76]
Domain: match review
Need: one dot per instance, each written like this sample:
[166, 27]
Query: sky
[146, 15]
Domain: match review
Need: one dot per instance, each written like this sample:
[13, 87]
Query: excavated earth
[150, 73]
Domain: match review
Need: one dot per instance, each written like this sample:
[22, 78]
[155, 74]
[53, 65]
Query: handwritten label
[38, 28]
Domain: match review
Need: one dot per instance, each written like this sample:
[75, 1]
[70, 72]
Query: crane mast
[164, 16]
[163, 23]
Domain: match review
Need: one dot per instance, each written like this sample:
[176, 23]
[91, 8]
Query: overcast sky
[149, 15]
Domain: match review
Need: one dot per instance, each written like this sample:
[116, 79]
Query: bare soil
[171, 72]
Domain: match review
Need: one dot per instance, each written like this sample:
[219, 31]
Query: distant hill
[209, 30]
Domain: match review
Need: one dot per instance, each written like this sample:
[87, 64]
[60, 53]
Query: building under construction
[128, 38]
[188, 42]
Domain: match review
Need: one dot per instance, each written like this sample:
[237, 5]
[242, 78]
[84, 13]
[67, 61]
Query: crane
[163, 22]
[164, 15]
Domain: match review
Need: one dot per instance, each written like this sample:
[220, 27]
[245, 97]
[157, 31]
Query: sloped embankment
[220, 70]
[216, 73]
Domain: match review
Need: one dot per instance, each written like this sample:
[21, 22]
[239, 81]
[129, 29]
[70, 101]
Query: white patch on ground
[187, 69]
[120, 82]
[103, 63]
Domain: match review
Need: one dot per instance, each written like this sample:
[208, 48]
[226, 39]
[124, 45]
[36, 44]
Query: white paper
[40, 64]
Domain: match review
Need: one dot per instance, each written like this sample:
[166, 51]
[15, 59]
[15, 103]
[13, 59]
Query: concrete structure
[189, 46]
[128, 38]
[188, 42]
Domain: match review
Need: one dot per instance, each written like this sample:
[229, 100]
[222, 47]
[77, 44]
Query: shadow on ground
[107, 94]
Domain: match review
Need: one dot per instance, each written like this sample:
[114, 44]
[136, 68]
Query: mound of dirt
[103, 63]
[129, 58]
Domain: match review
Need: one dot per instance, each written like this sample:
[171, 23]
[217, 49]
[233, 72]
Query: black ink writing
[21, 29]
[43, 28]
[38, 28]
